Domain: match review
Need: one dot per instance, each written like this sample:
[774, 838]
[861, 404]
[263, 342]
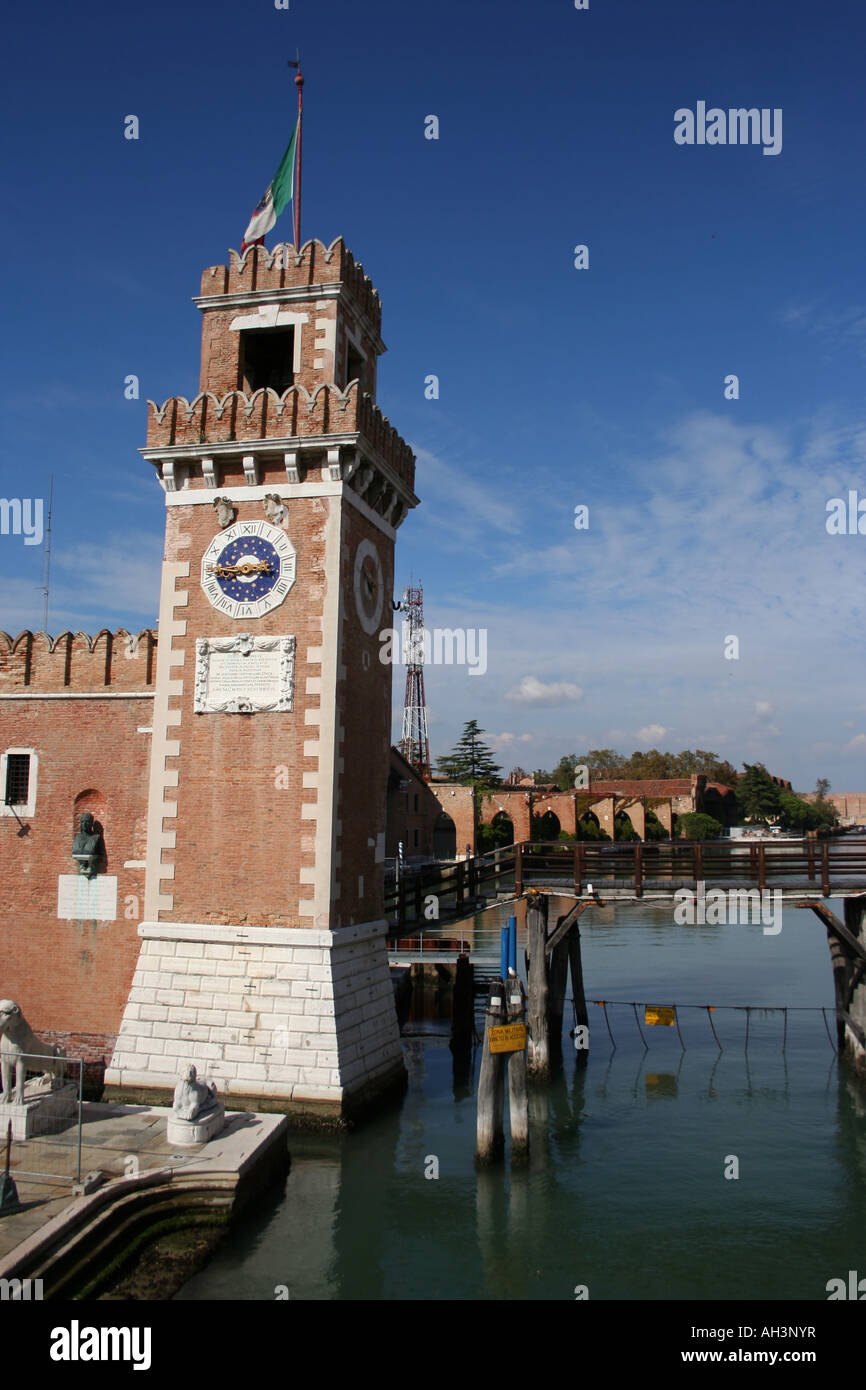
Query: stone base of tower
[290, 1019]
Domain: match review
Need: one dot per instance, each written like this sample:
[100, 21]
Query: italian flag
[278, 193]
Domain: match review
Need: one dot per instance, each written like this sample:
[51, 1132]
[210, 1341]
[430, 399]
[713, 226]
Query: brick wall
[71, 978]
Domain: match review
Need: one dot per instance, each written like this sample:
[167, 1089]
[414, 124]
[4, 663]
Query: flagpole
[299, 81]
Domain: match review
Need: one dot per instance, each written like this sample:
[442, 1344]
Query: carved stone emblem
[275, 510]
[225, 511]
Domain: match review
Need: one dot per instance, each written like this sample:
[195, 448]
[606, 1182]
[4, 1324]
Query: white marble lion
[19, 1049]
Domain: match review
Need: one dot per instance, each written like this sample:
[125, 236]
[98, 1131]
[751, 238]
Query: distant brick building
[850, 806]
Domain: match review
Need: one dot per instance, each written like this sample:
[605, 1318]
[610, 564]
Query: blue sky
[558, 386]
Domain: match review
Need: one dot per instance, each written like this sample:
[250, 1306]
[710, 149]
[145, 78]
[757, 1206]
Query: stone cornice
[272, 448]
[262, 936]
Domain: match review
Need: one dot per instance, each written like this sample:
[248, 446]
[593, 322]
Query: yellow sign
[510, 1038]
[659, 1014]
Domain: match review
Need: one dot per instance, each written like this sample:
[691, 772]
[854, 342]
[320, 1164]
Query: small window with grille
[17, 790]
[18, 767]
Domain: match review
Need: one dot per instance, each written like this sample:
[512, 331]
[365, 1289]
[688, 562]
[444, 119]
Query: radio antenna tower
[46, 571]
[414, 743]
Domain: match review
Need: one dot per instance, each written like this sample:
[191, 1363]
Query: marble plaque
[244, 674]
[87, 899]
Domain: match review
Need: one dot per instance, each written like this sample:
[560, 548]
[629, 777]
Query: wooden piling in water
[577, 990]
[463, 1006]
[490, 1135]
[518, 1099]
[558, 978]
[538, 1055]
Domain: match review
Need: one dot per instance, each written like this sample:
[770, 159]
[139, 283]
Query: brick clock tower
[263, 957]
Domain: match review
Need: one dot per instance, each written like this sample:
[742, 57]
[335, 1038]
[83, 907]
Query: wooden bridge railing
[637, 865]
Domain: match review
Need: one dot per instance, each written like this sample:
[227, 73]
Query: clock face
[369, 586]
[248, 569]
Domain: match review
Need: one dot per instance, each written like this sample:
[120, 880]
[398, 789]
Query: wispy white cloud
[532, 691]
[652, 732]
[507, 740]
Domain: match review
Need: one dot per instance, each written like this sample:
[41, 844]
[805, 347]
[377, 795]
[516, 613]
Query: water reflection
[625, 1189]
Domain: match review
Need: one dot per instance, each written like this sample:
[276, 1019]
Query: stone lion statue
[192, 1097]
[19, 1046]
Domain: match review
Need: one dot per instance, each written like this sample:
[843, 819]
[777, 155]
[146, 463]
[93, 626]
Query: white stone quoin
[290, 1013]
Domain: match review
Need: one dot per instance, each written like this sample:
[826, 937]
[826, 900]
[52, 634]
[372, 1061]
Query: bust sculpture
[87, 846]
[192, 1096]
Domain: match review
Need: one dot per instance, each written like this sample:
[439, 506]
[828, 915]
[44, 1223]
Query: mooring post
[518, 1099]
[577, 993]
[462, 1006]
[557, 980]
[578, 867]
[490, 1135]
[518, 869]
[538, 1059]
[855, 1002]
[762, 867]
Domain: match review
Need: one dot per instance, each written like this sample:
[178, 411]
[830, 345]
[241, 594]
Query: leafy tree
[805, 815]
[758, 796]
[493, 836]
[623, 828]
[654, 828]
[650, 764]
[589, 829]
[541, 778]
[603, 763]
[471, 761]
[544, 827]
[563, 773]
[695, 825]
[822, 786]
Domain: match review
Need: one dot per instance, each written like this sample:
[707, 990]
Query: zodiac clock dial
[248, 569]
[369, 586]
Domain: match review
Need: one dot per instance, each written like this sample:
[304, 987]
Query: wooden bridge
[627, 872]
[802, 872]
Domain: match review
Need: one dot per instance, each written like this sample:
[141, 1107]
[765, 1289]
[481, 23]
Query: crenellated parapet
[283, 267]
[262, 415]
[75, 662]
[343, 432]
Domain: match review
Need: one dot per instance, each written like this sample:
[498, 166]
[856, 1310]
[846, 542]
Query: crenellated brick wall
[82, 707]
[73, 661]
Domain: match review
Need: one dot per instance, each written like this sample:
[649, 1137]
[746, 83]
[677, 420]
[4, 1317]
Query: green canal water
[625, 1191]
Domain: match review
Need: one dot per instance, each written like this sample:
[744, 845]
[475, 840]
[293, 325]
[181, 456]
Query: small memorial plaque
[244, 674]
[81, 899]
